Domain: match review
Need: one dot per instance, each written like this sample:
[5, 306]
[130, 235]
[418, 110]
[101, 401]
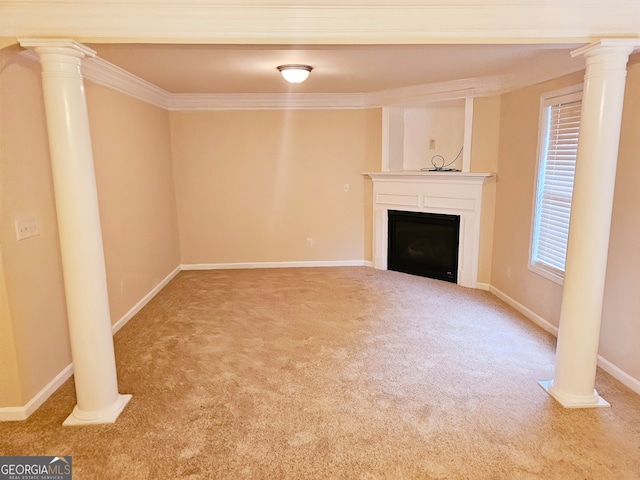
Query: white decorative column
[98, 400]
[588, 244]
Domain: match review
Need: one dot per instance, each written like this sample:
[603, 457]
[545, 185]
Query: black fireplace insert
[424, 244]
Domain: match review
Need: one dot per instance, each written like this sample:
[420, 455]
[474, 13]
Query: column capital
[608, 45]
[57, 45]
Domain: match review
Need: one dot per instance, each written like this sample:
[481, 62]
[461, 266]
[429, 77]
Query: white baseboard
[620, 375]
[304, 264]
[483, 286]
[22, 413]
[143, 301]
[534, 317]
[613, 370]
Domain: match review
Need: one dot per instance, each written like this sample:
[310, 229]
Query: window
[557, 149]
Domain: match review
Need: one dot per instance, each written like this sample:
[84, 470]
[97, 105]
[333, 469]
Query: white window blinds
[556, 168]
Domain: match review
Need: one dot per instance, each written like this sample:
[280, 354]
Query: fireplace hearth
[424, 244]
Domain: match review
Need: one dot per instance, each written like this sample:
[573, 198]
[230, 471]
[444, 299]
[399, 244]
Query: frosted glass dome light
[295, 73]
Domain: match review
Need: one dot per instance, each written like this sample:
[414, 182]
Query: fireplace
[457, 194]
[424, 244]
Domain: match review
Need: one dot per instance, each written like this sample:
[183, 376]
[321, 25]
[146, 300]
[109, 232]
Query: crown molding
[316, 21]
[104, 73]
[319, 22]
[268, 101]
[111, 76]
[548, 68]
[423, 94]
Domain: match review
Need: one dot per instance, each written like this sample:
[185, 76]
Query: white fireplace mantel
[453, 193]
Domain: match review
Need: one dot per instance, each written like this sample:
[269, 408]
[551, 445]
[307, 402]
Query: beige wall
[373, 163]
[620, 333]
[36, 312]
[10, 390]
[252, 186]
[10, 384]
[484, 159]
[514, 196]
[132, 156]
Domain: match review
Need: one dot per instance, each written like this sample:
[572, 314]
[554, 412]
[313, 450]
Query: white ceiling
[336, 68]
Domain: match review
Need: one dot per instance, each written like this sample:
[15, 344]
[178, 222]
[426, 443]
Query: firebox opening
[424, 244]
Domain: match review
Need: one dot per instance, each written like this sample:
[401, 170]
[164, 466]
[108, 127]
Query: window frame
[547, 100]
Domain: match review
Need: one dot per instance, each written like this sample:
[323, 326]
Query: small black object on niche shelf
[443, 166]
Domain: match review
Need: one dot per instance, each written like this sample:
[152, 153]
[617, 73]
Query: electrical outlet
[309, 242]
[432, 144]
[346, 187]
[27, 227]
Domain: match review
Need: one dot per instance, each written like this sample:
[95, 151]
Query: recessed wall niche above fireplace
[446, 193]
[424, 244]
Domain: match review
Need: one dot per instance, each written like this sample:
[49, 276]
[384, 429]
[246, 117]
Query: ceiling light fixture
[295, 73]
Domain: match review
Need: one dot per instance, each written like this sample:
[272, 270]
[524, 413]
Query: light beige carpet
[335, 373]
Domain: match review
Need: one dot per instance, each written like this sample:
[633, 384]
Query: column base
[574, 401]
[110, 415]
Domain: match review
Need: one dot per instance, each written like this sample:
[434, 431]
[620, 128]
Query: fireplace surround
[424, 244]
[449, 193]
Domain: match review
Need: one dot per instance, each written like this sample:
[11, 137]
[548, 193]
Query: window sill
[547, 273]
